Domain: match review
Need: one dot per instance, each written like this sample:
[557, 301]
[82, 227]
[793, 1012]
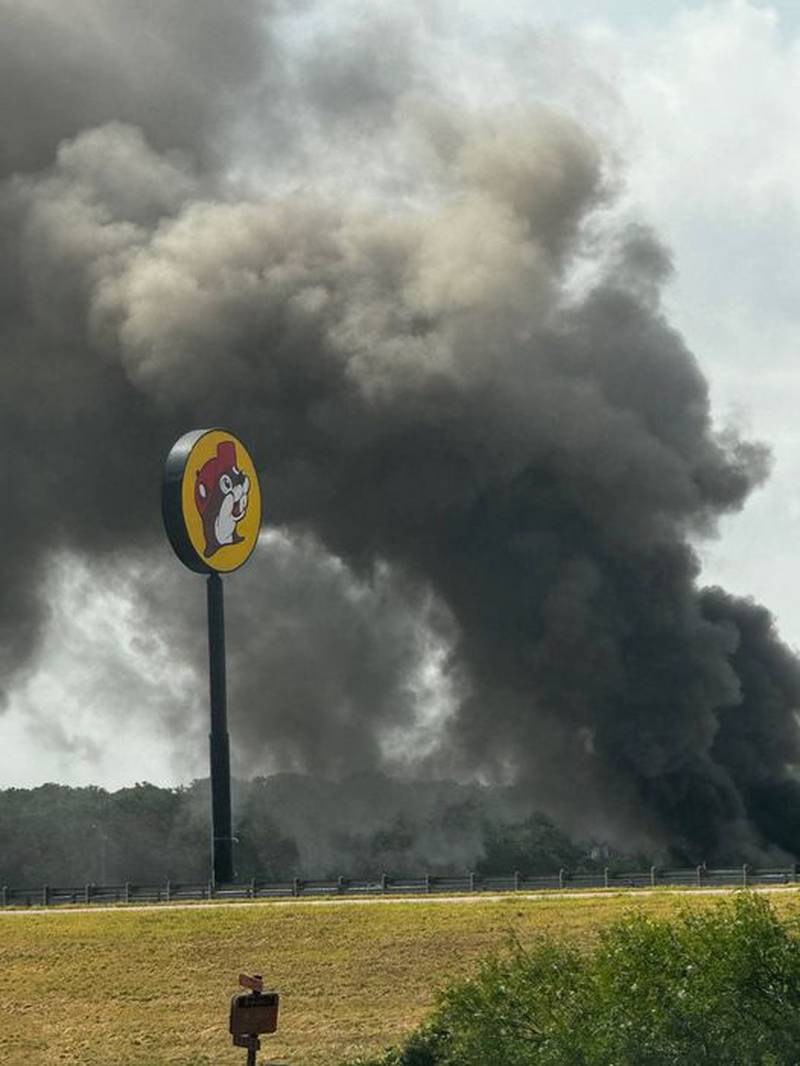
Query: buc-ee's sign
[211, 501]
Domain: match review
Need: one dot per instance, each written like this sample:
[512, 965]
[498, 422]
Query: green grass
[152, 987]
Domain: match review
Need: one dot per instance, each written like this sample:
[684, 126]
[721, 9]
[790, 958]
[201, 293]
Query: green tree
[532, 846]
[720, 988]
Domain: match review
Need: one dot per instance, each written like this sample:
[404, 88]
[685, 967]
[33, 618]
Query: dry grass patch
[151, 987]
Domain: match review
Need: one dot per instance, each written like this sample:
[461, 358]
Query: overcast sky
[700, 103]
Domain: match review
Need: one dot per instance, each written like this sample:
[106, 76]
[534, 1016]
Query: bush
[719, 988]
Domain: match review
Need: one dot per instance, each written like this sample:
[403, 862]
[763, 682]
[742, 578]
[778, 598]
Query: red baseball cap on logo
[209, 474]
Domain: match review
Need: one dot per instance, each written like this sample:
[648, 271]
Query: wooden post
[561, 873]
[699, 876]
[516, 880]
[295, 886]
[472, 882]
[45, 895]
[252, 889]
[652, 877]
[744, 875]
[127, 891]
[87, 892]
[4, 896]
[605, 877]
[384, 884]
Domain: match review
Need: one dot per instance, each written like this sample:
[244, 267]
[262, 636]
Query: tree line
[287, 825]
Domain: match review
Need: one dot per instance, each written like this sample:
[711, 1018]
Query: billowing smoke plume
[478, 430]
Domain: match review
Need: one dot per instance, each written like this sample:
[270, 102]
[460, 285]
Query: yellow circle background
[229, 556]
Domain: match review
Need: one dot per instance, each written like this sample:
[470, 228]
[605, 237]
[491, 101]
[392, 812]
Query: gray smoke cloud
[478, 430]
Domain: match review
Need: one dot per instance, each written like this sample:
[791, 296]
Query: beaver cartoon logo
[221, 494]
[211, 501]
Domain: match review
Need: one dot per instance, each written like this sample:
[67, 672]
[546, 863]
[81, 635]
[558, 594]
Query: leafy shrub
[720, 988]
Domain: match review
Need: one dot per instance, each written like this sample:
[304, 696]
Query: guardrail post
[384, 884]
[427, 882]
[340, 886]
[210, 889]
[744, 875]
[127, 896]
[652, 877]
[4, 896]
[471, 881]
[516, 880]
[295, 886]
[699, 876]
[605, 877]
[794, 872]
[251, 891]
[45, 895]
[167, 890]
[561, 873]
[87, 892]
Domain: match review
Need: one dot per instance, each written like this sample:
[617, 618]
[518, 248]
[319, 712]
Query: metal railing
[300, 888]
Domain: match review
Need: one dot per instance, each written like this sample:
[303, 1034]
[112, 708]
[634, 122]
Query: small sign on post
[252, 1014]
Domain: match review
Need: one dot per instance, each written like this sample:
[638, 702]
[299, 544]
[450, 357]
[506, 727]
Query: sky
[697, 102]
[716, 170]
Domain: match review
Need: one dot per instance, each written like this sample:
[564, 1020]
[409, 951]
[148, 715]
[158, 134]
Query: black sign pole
[222, 836]
[205, 470]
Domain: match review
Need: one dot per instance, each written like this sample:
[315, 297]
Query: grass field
[152, 987]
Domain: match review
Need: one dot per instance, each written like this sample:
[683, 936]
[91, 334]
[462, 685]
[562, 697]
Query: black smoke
[466, 402]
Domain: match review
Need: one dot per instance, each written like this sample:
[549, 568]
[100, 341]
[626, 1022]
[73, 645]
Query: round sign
[211, 501]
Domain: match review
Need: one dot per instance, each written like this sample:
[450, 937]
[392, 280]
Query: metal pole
[222, 836]
[253, 1044]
